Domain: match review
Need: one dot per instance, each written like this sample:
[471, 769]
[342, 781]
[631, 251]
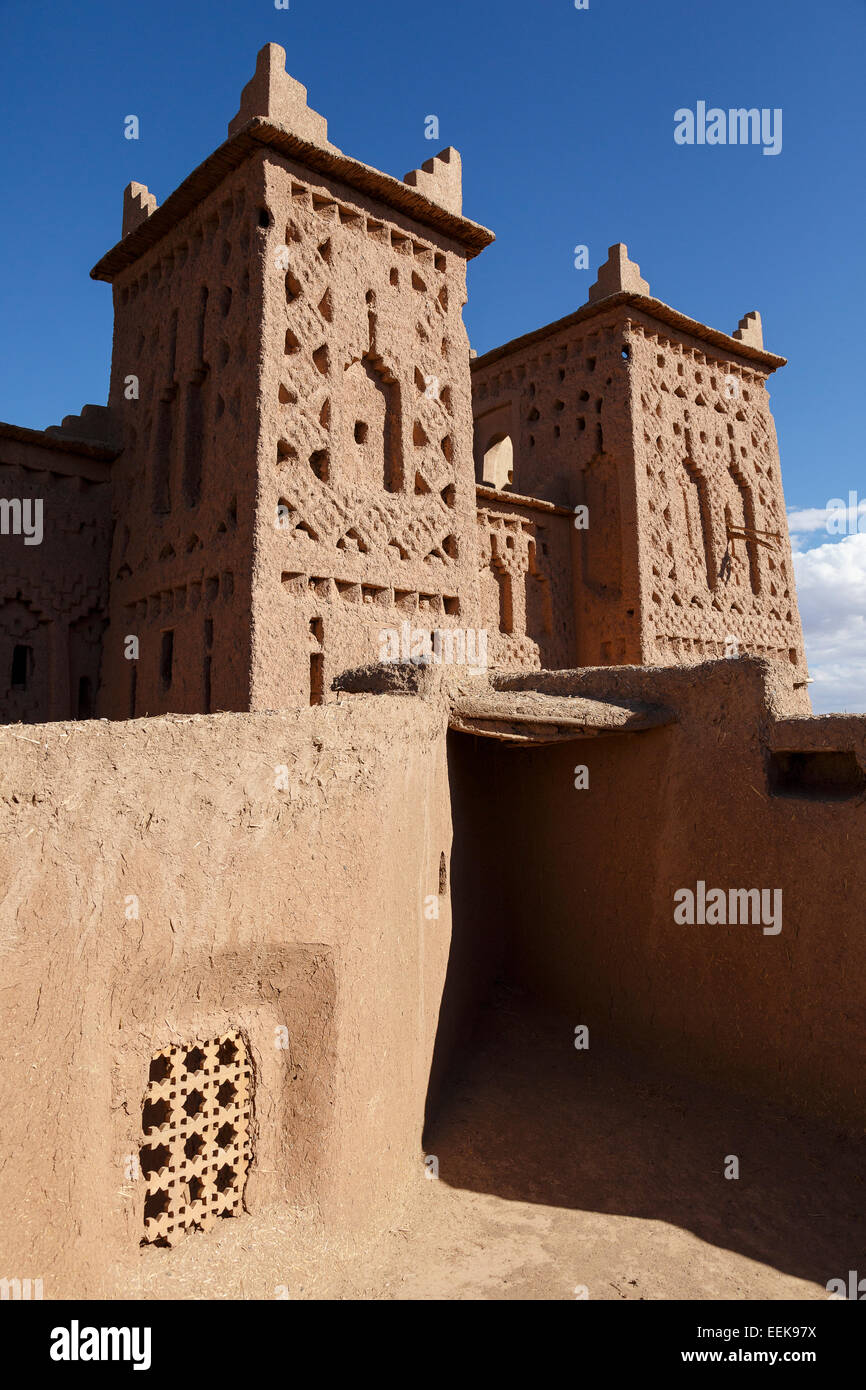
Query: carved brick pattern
[355, 328]
[77, 600]
[380, 523]
[707, 435]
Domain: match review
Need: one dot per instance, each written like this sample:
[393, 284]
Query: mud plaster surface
[556, 1171]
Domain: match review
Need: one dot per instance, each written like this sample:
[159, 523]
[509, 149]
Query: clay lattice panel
[196, 1151]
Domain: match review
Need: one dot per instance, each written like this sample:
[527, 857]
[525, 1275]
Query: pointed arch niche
[372, 412]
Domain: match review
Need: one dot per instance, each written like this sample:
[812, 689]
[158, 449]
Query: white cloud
[831, 588]
[839, 517]
[802, 519]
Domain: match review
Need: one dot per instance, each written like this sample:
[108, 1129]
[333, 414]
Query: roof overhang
[260, 133]
[59, 443]
[653, 308]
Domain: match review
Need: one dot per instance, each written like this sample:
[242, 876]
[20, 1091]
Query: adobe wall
[54, 597]
[187, 326]
[366, 506]
[260, 910]
[589, 905]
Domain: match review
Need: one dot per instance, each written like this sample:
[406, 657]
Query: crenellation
[272, 94]
[138, 204]
[440, 179]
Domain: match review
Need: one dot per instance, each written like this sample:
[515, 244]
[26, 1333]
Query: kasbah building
[354, 674]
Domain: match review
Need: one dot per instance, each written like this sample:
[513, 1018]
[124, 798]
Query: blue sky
[565, 122]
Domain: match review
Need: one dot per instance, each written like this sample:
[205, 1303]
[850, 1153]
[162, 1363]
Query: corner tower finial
[617, 274]
[750, 330]
[138, 204]
[271, 93]
[440, 179]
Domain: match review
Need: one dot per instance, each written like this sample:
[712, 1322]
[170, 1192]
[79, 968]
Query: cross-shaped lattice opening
[196, 1150]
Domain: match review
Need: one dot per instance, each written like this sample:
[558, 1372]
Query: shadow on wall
[477, 907]
[705, 1043]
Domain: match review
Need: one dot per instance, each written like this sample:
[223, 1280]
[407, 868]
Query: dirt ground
[563, 1175]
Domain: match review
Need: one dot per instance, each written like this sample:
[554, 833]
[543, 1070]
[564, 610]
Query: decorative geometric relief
[698, 519]
[196, 1119]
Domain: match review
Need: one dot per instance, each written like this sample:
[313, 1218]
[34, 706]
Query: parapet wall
[283, 880]
[176, 880]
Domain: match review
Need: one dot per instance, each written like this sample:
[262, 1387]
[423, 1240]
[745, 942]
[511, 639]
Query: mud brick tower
[660, 427]
[297, 466]
[299, 457]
